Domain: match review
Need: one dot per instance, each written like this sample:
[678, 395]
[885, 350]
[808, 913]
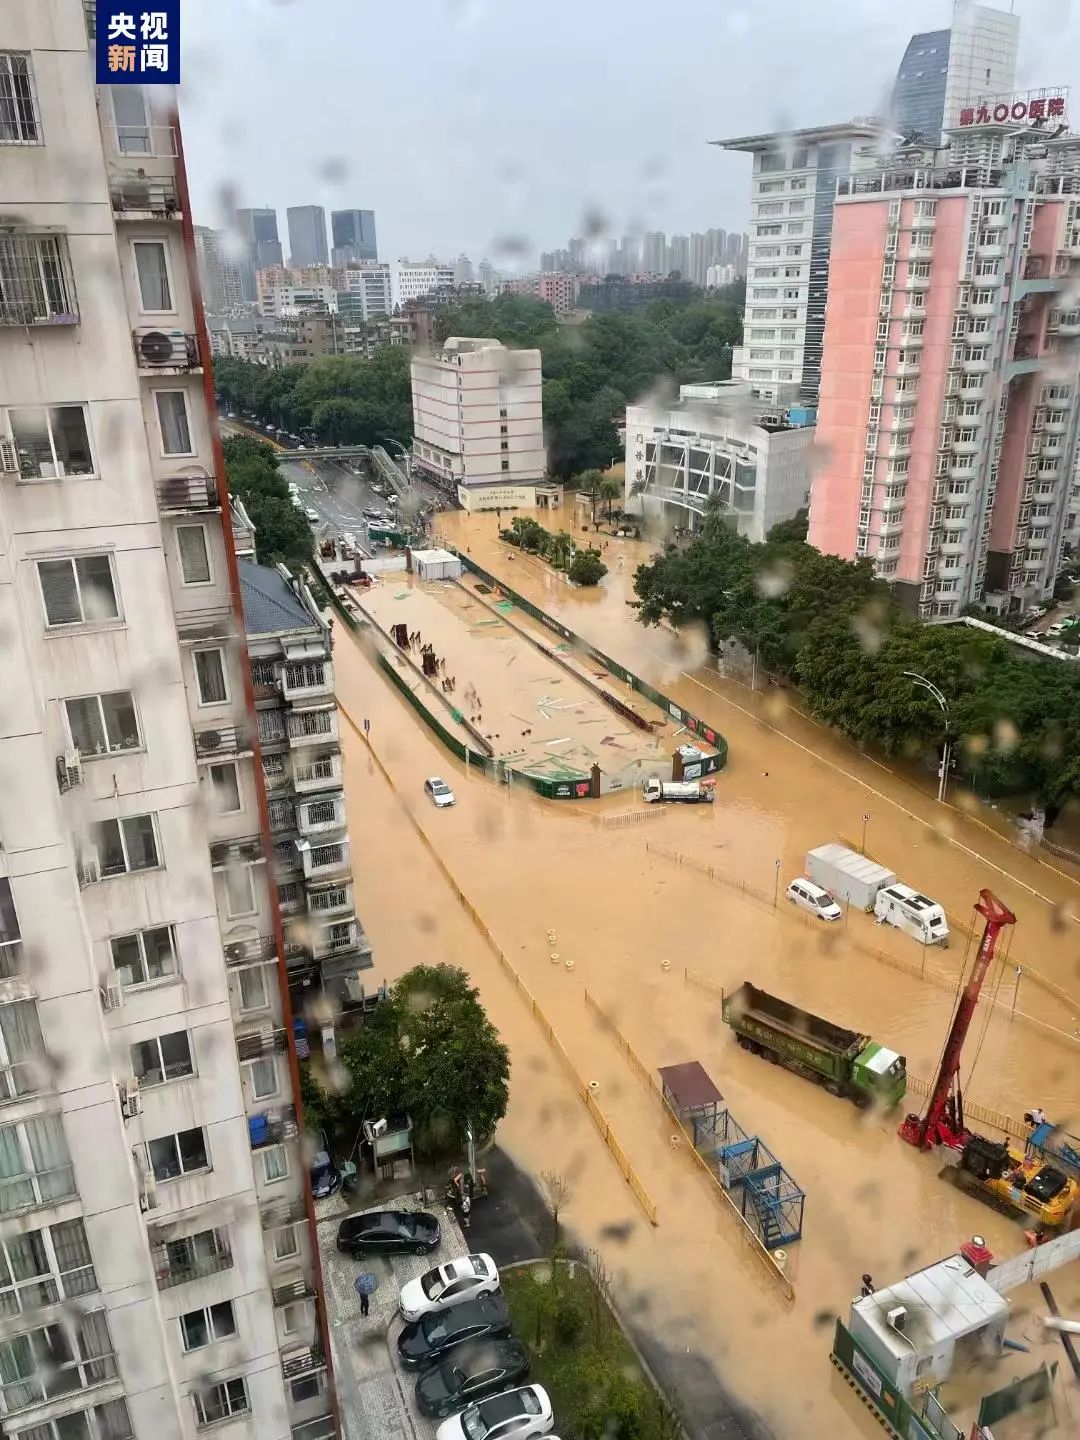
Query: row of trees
[581, 563]
[281, 530]
[829, 627]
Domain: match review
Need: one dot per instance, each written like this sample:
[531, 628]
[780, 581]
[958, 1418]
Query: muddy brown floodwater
[619, 912]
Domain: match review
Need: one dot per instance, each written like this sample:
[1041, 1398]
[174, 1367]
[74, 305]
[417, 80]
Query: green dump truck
[845, 1062]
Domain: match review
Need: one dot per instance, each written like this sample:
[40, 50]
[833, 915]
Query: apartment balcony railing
[286, 859]
[217, 1256]
[262, 950]
[307, 679]
[187, 494]
[904, 368]
[299, 1289]
[222, 742]
[914, 282]
[38, 286]
[282, 816]
[335, 940]
[272, 1127]
[160, 351]
[208, 622]
[156, 142]
[330, 899]
[317, 774]
[321, 817]
[312, 727]
[322, 1428]
[983, 308]
[1068, 326]
[266, 1040]
[323, 861]
[297, 1364]
[273, 1214]
[1056, 427]
[138, 196]
[291, 897]
[236, 852]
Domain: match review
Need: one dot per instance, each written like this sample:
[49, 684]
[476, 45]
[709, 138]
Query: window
[771, 207]
[240, 891]
[789, 314]
[194, 555]
[305, 676]
[286, 1242]
[145, 956]
[275, 1164]
[103, 724]
[263, 1078]
[45, 1266]
[19, 122]
[204, 1253]
[306, 1388]
[173, 422]
[293, 1318]
[36, 287]
[225, 787]
[200, 1327]
[252, 983]
[794, 227]
[796, 207]
[793, 249]
[210, 677]
[922, 240]
[769, 229]
[35, 1167]
[220, 1401]
[52, 441]
[765, 292]
[54, 1360]
[126, 845]
[78, 591]
[152, 268]
[164, 1057]
[22, 1050]
[174, 1155]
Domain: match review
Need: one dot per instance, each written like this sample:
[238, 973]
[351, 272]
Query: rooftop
[944, 1302]
[270, 607]
[863, 127]
[689, 1085]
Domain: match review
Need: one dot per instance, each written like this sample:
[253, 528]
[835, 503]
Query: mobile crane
[1008, 1179]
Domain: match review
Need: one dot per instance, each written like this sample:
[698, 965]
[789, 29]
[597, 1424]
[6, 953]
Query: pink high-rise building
[949, 400]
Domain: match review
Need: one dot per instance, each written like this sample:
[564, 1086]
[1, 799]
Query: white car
[439, 791]
[513, 1415]
[312, 515]
[465, 1278]
[813, 899]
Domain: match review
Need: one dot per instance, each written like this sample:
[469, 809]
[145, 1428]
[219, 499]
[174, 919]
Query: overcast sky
[496, 127]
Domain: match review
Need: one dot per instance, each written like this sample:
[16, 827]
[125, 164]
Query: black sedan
[433, 1336]
[471, 1373]
[389, 1232]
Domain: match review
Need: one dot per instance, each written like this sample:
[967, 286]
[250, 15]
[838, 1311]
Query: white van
[917, 915]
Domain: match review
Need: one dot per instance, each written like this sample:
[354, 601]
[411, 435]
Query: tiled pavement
[375, 1395]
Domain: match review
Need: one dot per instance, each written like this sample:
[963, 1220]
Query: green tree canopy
[282, 532]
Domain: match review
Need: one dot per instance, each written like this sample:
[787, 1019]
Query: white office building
[411, 279]
[370, 281]
[478, 422]
[787, 274]
[715, 443]
[285, 302]
[156, 1267]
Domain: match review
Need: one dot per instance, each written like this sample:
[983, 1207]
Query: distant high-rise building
[654, 253]
[679, 254]
[258, 230]
[577, 252]
[698, 259]
[547, 260]
[307, 235]
[353, 233]
[715, 243]
[463, 271]
[943, 70]
[489, 276]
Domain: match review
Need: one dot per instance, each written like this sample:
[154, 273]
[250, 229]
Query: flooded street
[621, 911]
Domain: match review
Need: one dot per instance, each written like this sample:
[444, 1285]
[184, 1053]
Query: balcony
[1069, 326]
[911, 341]
[990, 247]
[187, 494]
[898, 450]
[265, 1040]
[324, 861]
[291, 897]
[904, 368]
[322, 1428]
[292, 1290]
[965, 447]
[139, 142]
[893, 505]
[176, 1262]
[320, 774]
[313, 727]
[236, 852]
[985, 308]
[328, 900]
[892, 423]
[282, 816]
[251, 952]
[38, 284]
[307, 680]
[272, 734]
[1054, 427]
[138, 196]
[971, 366]
[909, 311]
[302, 1362]
[273, 1214]
[321, 817]
[272, 1127]
[208, 622]
[165, 352]
[223, 742]
[961, 471]
[891, 523]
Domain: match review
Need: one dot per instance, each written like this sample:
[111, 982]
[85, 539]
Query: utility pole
[946, 749]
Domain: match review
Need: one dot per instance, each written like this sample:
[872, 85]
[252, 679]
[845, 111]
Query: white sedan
[439, 791]
[513, 1415]
[447, 1285]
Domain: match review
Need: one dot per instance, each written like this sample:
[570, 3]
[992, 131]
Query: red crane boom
[943, 1123]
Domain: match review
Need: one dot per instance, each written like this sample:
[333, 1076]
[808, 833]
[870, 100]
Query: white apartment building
[156, 1265]
[478, 422]
[410, 279]
[787, 274]
[715, 444]
[371, 282]
[284, 302]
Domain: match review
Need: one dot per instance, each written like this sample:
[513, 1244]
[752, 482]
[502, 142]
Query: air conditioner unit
[130, 1099]
[208, 740]
[148, 1200]
[111, 991]
[89, 868]
[9, 456]
[162, 347]
[68, 770]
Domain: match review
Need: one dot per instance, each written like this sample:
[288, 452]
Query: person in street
[365, 1302]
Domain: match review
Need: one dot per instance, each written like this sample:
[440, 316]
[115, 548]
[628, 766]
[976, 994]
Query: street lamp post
[943, 704]
[865, 818]
[776, 886]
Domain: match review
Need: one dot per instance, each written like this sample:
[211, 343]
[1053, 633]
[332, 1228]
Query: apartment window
[54, 1360]
[210, 677]
[36, 287]
[194, 554]
[306, 1388]
[794, 227]
[791, 294]
[766, 272]
[505, 465]
[769, 229]
[45, 1266]
[766, 252]
[52, 441]
[173, 422]
[788, 334]
[225, 787]
[35, 1167]
[924, 209]
[980, 325]
[152, 269]
[922, 240]
[80, 590]
[308, 675]
[270, 725]
[982, 297]
[263, 1074]
[919, 270]
[787, 314]
[764, 334]
[174, 1155]
[22, 1050]
[240, 898]
[971, 382]
[793, 249]
[263, 674]
[203, 1327]
[163, 1057]
[103, 724]
[769, 187]
[286, 1242]
[796, 207]
[220, 1402]
[975, 352]
[765, 293]
[946, 587]
[144, 956]
[913, 329]
[252, 984]
[126, 845]
[984, 268]
[275, 1163]
[294, 1318]
[771, 207]
[19, 120]
[792, 272]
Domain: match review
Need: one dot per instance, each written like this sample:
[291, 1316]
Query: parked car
[433, 1336]
[514, 1415]
[325, 1175]
[451, 1284]
[439, 791]
[814, 899]
[389, 1232]
[471, 1374]
[312, 514]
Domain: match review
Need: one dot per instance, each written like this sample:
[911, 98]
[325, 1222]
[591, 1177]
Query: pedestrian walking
[365, 1303]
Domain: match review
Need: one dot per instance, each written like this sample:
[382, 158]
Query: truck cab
[915, 914]
[879, 1076]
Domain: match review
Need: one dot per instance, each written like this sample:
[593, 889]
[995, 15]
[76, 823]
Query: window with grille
[282, 815]
[325, 855]
[322, 812]
[271, 724]
[36, 286]
[305, 676]
[20, 123]
[312, 722]
[263, 673]
[332, 899]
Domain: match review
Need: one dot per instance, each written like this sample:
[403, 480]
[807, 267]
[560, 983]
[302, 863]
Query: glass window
[145, 956]
[194, 555]
[226, 788]
[173, 422]
[155, 294]
[220, 1401]
[263, 1078]
[51, 441]
[286, 1242]
[163, 1057]
[240, 891]
[210, 675]
[78, 591]
[19, 123]
[174, 1155]
[306, 1388]
[252, 988]
[275, 1163]
[103, 724]
[215, 1322]
[126, 845]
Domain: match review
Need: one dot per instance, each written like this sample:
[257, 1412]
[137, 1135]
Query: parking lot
[375, 1394]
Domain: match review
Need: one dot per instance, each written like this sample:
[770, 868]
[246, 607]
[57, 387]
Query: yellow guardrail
[695, 977]
[650, 1079]
[599, 1119]
[625, 818]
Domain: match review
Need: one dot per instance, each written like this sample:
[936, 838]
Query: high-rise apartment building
[370, 283]
[259, 237]
[159, 1274]
[793, 190]
[220, 275]
[949, 410]
[307, 235]
[943, 70]
[411, 279]
[353, 235]
[654, 252]
[679, 255]
[698, 260]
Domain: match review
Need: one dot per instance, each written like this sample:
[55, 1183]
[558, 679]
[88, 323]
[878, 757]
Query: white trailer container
[436, 565]
[847, 875]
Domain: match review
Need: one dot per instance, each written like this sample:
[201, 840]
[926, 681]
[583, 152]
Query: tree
[610, 490]
[558, 1192]
[587, 568]
[588, 483]
[794, 529]
[282, 532]
[561, 548]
